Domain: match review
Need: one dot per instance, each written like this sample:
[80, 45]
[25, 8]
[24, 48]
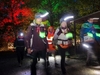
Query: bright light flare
[45, 14]
[95, 72]
[69, 17]
[86, 45]
[21, 34]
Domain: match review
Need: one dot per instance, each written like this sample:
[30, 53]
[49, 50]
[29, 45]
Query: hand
[29, 51]
[47, 50]
[56, 47]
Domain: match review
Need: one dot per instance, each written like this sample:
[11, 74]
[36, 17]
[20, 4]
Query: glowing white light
[86, 45]
[95, 72]
[66, 18]
[95, 18]
[45, 14]
[21, 34]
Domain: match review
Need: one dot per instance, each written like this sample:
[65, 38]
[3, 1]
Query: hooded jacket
[90, 28]
[33, 40]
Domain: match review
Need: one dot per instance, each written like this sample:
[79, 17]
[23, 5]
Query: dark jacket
[33, 40]
[19, 43]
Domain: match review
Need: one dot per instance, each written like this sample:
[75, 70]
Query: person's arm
[15, 44]
[27, 39]
[83, 31]
[56, 34]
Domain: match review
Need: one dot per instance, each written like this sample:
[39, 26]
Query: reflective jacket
[91, 29]
[50, 38]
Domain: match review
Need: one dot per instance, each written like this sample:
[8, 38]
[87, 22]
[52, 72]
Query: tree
[14, 15]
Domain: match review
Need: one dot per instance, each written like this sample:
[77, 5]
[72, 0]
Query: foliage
[17, 14]
[77, 30]
[14, 15]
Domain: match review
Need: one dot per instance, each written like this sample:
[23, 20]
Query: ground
[76, 66]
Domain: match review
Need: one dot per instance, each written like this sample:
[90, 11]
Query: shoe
[38, 59]
[56, 64]
[48, 63]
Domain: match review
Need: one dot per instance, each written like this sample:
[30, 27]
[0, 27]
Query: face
[63, 24]
[90, 20]
[38, 20]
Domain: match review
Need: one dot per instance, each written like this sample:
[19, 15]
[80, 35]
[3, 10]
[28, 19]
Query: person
[36, 41]
[87, 38]
[52, 47]
[61, 39]
[19, 44]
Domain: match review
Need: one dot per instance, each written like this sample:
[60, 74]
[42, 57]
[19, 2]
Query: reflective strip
[88, 38]
[49, 42]
[49, 39]
[31, 41]
[62, 42]
[43, 41]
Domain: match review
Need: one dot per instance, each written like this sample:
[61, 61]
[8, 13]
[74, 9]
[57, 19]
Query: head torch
[21, 34]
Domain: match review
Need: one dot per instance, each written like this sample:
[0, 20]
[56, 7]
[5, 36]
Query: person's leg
[18, 55]
[91, 57]
[54, 54]
[47, 58]
[62, 54]
[22, 55]
[43, 54]
[33, 65]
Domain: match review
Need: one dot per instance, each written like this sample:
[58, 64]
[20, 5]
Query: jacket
[60, 38]
[19, 43]
[85, 29]
[33, 39]
[50, 38]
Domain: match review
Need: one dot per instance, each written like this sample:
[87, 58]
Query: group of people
[39, 41]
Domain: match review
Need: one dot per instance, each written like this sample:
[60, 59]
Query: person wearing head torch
[62, 38]
[89, 40]
[36, 42]
[19, 44]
